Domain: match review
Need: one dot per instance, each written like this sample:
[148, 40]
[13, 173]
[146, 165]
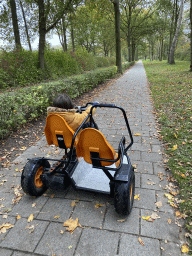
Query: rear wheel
[31, 182]
[124, 195]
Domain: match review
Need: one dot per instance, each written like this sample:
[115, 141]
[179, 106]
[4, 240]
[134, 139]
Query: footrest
[123, 174]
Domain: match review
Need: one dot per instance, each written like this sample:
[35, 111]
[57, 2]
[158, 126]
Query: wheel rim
[38, 181]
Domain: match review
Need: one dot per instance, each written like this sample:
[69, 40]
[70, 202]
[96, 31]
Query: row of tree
[149, 25]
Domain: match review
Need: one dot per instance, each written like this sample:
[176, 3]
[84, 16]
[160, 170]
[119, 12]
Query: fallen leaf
[174, 193]
[34, 204]
[154, 216]
[122, 220]
[57, 217]
[71, 224]
[137, 197]
[5, 226]
[74, 203]
[137, 134]
[173, 204]
[23, 148]
[70, 247]
[177, 214]
[170, 197]
[184, 248]
[98, 205]
[174, 147]
[18, 217]
[145, 218]
[31, 228]
[62, 232]
[140, 241]
[162, 249]
[30, 218]
[151, 183]
[169, 221]
[5, 216]
[158, 204]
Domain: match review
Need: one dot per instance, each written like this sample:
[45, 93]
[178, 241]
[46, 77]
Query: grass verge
[171, 88]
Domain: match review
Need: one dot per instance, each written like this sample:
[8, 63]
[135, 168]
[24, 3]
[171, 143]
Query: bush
[19, 68]
[17, 107]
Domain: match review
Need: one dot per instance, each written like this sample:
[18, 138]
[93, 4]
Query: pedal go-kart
[89, 163]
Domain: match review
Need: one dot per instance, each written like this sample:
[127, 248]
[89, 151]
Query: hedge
[26, 104]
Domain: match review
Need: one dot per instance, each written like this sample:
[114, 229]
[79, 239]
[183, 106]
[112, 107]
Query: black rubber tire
[28, 177]
[124, 195]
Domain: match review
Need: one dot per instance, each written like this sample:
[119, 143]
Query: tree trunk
[72, 38]
[133, 50]
[42, 33]
[129, 35]
[26, 27]
[15, 24]
[174, 42]
[117, 35]
[64, 35]
[191, 34]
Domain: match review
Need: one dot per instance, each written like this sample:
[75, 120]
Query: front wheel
[31, 182]
[124, 195]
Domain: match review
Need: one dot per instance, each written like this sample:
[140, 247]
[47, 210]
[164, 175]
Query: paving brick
[97, 242]
[26, 206]
[5, 252]
[143, 167]
[160, 228]
[151, 157]
[158, 167]
[55, 243]
[130, 225]
[3, 220]
[89, 214]
[165, 205]
[152, 182]
[129, 245]
[147, 199]
[170, 249]
[56, 207]
[137, 180]
[20, 238]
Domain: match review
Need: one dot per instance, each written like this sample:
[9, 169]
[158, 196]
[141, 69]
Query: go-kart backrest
[58, 132]
[93, 141]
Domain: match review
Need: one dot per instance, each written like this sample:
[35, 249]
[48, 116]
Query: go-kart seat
[92, 143]
[58, 132]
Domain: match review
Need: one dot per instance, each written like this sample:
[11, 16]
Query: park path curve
[103, 232]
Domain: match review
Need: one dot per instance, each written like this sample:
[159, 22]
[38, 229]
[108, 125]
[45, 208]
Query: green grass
[171, 88]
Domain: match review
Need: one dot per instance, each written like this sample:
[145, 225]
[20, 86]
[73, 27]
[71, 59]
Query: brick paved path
[103, 232]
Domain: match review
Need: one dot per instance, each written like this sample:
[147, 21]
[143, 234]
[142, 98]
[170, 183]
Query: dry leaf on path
[30, 218]
[4, 227]
[170, 197]
[184, 248]
[57, 217]
[18, 217]
[155, 216]
[174, 147]
[137, 197]
[177, 214]
[98, 205]
[140, 241]
[169, 221]
[71, 224]
[121, 220]
[137, 134]
[158, 204]
[146, 218]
